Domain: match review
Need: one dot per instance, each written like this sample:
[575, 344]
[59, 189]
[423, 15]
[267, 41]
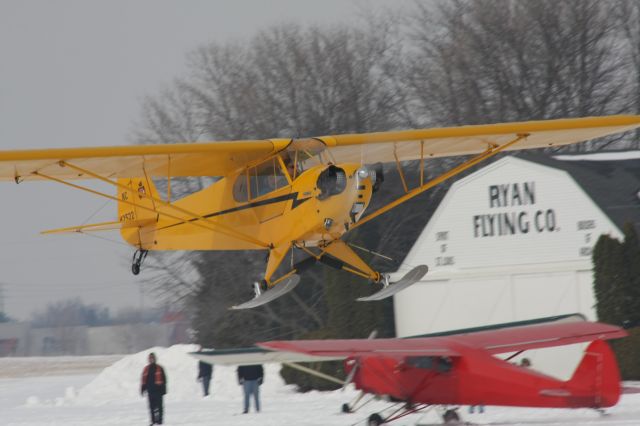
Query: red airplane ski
[459, 367]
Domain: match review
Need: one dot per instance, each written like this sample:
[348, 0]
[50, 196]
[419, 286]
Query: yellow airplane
[280, 194]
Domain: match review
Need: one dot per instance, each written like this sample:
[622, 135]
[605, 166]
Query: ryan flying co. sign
[513, 212]
[517, 220]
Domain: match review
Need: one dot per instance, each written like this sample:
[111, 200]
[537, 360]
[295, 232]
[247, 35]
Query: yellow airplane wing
[220, 158]
[451, 141]
[187, 159]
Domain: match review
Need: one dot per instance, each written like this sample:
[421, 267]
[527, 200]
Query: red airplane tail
[597, 374]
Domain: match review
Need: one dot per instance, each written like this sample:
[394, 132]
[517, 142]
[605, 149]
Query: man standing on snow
[251, 377]
[154, 383]
[205, 370]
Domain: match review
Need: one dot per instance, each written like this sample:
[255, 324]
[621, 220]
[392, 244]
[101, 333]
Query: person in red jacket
[154, 383]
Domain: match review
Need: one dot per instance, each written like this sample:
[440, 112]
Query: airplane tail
[598, 373]
[136, 211]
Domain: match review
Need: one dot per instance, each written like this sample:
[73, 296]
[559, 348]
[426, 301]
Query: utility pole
[2, 298]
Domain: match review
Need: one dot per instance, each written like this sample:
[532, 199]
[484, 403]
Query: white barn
[512, 242]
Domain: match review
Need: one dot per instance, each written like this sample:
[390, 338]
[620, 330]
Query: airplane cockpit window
[304, 153]
[241, 188]
[442, 364]
[259, 180]
[425, 362]
[294, 164]
[445, 364]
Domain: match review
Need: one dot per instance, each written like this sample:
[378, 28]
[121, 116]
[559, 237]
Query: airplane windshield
[260, 180]
[305, 152]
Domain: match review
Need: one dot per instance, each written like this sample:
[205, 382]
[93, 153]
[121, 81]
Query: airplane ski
[410, 278]
[278, 290]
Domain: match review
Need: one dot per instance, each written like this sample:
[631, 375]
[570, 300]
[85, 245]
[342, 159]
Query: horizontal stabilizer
[630, 389]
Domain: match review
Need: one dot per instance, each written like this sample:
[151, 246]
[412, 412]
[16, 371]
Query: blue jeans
[251, 387]
[205, 385]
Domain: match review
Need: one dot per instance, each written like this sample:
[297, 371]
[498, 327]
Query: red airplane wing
[434, 346]
[539, 336]
[503, 340]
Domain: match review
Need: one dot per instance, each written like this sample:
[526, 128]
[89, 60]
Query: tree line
[616, 267]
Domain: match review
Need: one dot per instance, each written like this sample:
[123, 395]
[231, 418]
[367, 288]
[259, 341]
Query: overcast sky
[73, 73]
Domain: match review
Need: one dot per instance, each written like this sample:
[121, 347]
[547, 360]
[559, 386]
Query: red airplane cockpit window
[445, 364]
[424, 362]
[440, 364]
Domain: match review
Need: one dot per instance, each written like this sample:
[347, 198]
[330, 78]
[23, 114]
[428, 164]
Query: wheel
[135, 268]
[450, 416]
[346, 408]
[263, 285]
[375, 420]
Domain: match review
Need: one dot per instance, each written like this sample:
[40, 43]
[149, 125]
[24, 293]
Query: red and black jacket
[154, 381]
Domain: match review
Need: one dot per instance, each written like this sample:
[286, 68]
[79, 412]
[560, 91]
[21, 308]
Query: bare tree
[71, 312]
[627, 13]
[494, 61]
[285, 82]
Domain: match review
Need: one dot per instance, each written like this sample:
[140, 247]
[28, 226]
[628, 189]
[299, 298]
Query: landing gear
[451, 416]
[263, 296]
[389, 289]
[138, 257]
[260, 287]
[375, 420]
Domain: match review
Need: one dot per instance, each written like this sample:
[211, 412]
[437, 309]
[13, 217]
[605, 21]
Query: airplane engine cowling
[378, 172]
[332, 181]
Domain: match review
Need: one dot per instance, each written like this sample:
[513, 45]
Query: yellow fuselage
[295, 213]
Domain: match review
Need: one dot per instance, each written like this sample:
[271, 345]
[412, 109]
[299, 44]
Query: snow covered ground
[79, 391]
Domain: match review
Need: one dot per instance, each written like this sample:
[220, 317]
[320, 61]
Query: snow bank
[120, 382]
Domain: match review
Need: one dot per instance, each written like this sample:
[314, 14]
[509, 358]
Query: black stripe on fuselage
[292, 196]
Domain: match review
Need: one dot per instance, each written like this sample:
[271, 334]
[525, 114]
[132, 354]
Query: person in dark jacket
[154, 383]
[250, 377]
[204, 375]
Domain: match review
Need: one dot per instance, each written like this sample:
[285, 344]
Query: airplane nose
[332, 181]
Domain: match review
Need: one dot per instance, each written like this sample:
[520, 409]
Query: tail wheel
[138, 257]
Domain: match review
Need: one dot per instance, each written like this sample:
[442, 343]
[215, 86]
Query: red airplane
[459, 367]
